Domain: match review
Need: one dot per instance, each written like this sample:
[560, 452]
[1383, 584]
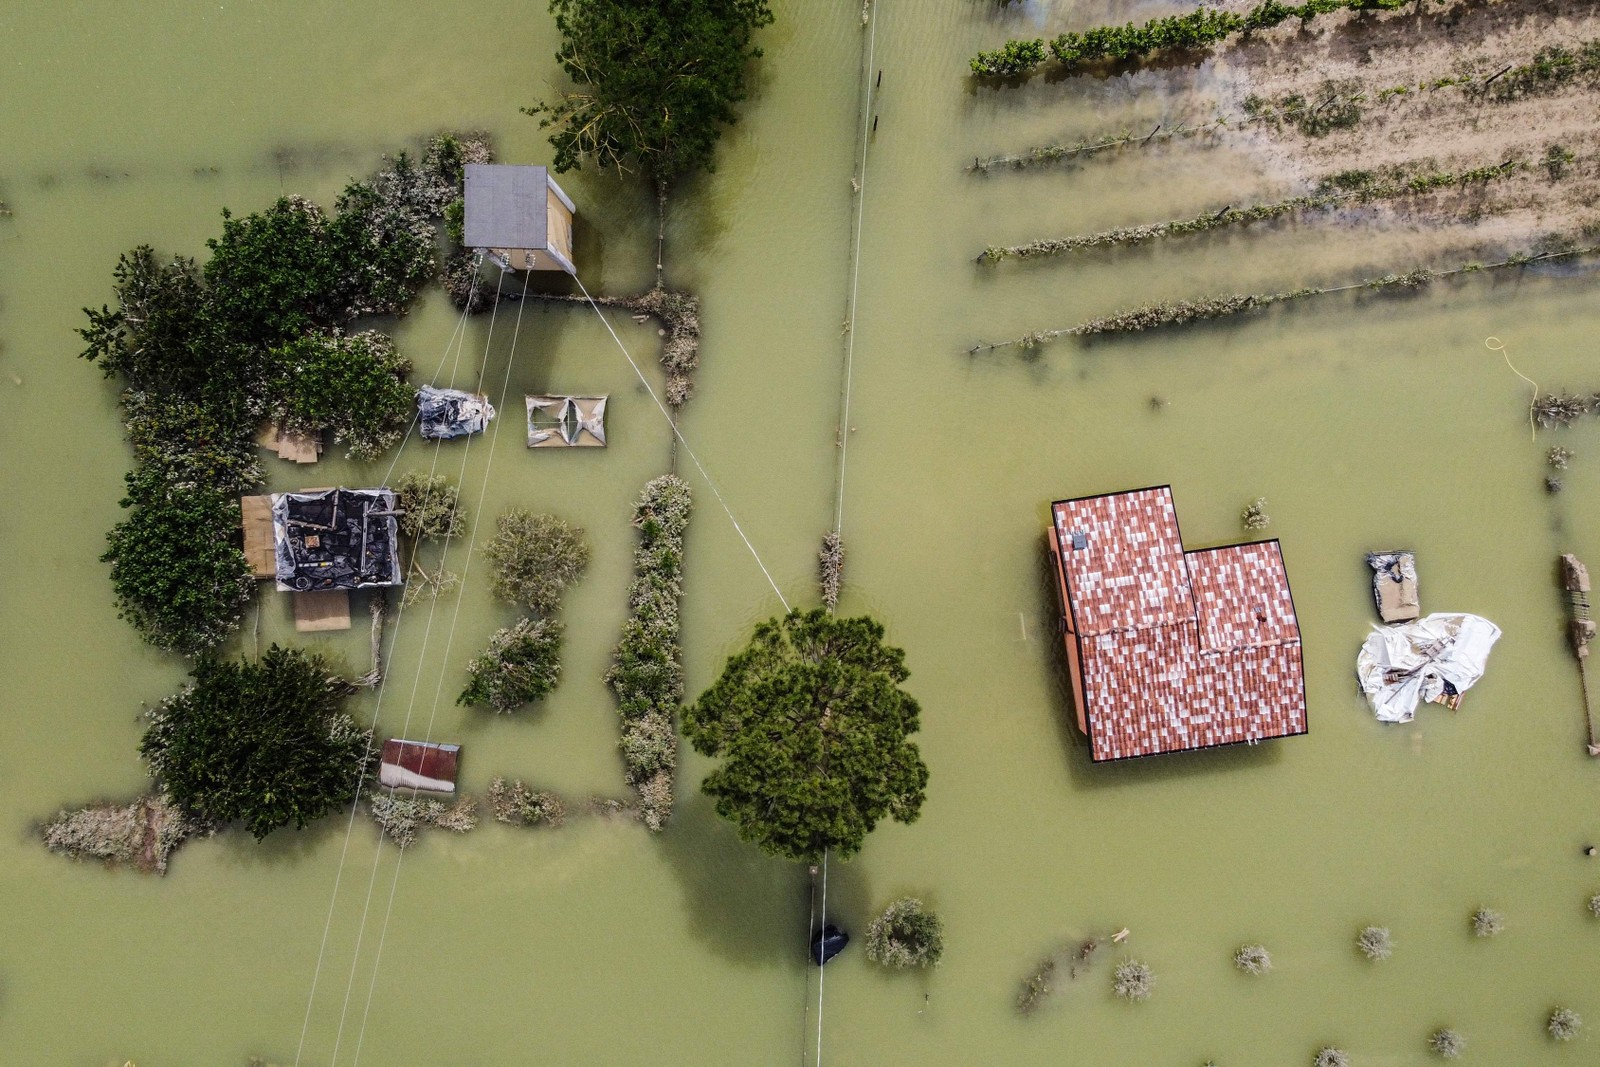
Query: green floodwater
[1366, 423]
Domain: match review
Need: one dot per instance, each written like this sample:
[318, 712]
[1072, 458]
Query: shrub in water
[1594, 905]
[1375, 943]
[907, 934]
[521, 664]
[1331, 1057]
[518, 804]
[1446, 1043]
[401, 816]
[1564, 1024]
[535, 558]
[1253, 959]
[1486, 922]
[429, 502]
[1255, 515]
[1132, 980]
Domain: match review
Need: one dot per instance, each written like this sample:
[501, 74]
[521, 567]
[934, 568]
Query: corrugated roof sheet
[1177, 650]
[506, 206]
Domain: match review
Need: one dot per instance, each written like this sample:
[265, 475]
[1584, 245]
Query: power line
[466, 569]
[677, 433]
[383, 684]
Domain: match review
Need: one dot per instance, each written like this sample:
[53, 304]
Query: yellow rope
[1494, 344]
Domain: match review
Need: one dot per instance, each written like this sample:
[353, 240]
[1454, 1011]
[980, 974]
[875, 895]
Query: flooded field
[1366, 421]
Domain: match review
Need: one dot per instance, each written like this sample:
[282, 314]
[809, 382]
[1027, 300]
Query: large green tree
[655, 81]
[814, 731]
[265, 744]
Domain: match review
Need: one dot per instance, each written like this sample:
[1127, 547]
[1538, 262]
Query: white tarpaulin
[1440, 655]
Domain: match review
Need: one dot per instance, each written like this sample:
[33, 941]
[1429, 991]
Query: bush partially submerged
[520, 805]
[1329, 1056]
[907, 934]
[1486, 922]
[522, 664]
[264, 743]
[430, 505]
[645, 673]
[1446, 1043]
[143, 833]
[1564, 1024]
[1594, 905]
[1133, 980]
[1375, 943]
[1253, 959]
[830, 566]
[535, 558]
[400, 816]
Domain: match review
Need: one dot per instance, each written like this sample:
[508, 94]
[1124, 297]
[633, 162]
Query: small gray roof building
[520, 215]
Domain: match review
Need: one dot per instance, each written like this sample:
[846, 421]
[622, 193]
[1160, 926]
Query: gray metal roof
[506, 206]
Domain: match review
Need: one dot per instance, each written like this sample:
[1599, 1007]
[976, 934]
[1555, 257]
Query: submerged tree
[814, 731]
[1564, 1024]
[521, 665]
[1375, 943]
[263, 743]
[907, 934]
[178, 576]
[656, 81]
[1486, 922]
[1446, 1043]
[354, 386]
[1133, 980]
[535, 558]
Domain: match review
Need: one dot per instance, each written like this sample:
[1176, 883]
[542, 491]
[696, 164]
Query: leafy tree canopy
[814, 731]
[276, 274]
[178, 576]
[263, 743]
[656, 80]
[355, 386]
[159, 336]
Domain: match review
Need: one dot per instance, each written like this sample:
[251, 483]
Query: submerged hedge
[1197, 29]
[646, 673]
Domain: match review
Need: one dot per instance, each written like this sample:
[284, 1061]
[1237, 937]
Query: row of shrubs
[1347, 187]
[210, 352]
[1199, 28]
[534, 560]
[646, 673]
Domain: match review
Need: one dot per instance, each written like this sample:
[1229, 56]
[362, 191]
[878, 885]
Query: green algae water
[1367, 423]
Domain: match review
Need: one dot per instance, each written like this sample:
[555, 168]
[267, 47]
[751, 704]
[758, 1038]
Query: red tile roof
[1175, 650]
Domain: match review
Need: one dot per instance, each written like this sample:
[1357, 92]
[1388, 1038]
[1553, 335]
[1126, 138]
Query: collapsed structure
[336, 539]
[573, 421]
[1172, 650]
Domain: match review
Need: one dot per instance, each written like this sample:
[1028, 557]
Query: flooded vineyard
[1367, 419]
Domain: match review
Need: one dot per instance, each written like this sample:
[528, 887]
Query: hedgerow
[646, 674]
[1197, 29]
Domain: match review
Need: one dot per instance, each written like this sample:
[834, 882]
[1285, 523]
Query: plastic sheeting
[1436, 658]
[448, 413]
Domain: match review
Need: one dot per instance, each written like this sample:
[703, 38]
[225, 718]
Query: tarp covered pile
[1436, 658]
[447, 413]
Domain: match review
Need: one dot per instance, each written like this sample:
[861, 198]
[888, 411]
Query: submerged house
[1172, 650]
[519, 216]
[335, 539]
